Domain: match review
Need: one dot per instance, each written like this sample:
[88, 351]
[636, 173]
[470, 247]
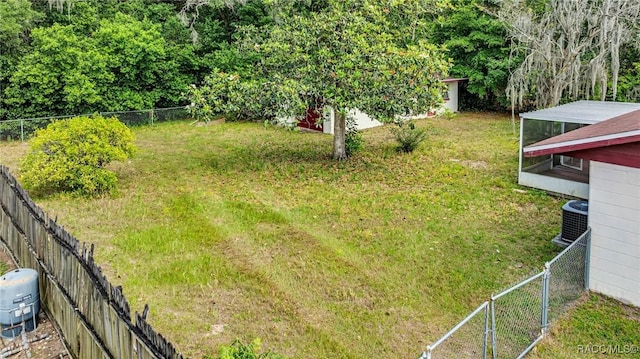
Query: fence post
[427, 353]
[587, 258]
[545, 298]
[486, 332]
[22, 130]
[492, 309]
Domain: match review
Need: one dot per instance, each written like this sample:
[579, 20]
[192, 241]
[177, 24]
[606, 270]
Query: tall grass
[236, 231]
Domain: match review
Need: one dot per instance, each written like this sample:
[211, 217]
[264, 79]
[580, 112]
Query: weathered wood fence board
[93, 315]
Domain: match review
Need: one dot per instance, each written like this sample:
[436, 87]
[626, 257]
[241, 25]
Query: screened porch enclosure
[555, 173]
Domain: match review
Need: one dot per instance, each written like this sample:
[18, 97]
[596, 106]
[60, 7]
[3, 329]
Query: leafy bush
[446, 113]
[629, 84]
[239, 350]
[408, 136]
[353, 141]
[71, 155]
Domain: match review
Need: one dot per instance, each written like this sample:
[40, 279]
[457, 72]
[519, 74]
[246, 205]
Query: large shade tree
[17, 18]
[571, 49]
[63, 74]
[349, 55]
[117, 68]
[478, 44]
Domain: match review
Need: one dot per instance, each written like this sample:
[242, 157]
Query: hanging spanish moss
[60, 5]
[191, 11]
[569, 49]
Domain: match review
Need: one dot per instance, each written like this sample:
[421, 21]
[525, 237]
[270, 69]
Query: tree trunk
[339, 136]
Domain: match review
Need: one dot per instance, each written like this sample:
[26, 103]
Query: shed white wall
[329, 115]
[363, 121]
[614, 217]
[452, 102]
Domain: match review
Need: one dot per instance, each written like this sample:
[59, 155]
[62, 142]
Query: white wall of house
[614, 217]
[363, 121]
[329, 114]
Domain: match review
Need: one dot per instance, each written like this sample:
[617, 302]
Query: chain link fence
[468, 339]
[568, 277]
[22, 128]
[512, 322]
[517, 317]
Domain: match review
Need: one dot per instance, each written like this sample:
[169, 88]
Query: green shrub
[408, 136]
[239, 350]
[71, 155]
[353, 140]
[3, 267]
[446, 113]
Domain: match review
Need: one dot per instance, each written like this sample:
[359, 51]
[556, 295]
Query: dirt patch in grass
[471, 164]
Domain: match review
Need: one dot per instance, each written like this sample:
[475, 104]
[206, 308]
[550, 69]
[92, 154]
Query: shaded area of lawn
[237, 231]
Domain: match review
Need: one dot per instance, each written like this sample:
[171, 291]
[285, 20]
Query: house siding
[614, 218]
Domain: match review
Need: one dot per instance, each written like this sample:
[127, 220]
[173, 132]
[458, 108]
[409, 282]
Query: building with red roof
[555, 141]
[610, 150]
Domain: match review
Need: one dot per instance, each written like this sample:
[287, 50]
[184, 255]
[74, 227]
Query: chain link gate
[512, 322]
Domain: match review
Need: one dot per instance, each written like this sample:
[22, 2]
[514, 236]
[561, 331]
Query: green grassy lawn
[597, 326]
[236, 231]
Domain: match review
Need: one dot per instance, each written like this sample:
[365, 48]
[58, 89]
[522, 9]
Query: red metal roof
[615, 141]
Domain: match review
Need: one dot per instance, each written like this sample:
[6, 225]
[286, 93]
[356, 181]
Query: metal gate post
[492, 309]
[587, 258]
[545, 298]
[486, 332]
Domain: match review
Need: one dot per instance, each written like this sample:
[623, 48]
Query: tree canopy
[479, 48]
[117, 68]
[64, 74]
[571, 49]
[347, 56]
[17, 18]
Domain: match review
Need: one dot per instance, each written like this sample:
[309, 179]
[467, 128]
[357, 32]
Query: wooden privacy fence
[93, 315]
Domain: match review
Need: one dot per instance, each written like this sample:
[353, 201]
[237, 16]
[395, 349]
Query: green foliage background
[114, 55]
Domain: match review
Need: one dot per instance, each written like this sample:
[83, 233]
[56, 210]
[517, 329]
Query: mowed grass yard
[234, 230]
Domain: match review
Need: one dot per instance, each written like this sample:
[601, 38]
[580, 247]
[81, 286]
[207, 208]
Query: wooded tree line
[61, 57]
